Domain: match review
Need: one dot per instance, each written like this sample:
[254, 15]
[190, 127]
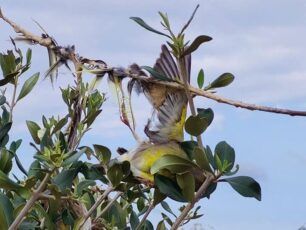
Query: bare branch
[47, 42]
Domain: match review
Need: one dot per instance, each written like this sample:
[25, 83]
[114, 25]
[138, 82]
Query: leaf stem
[151, 207]
[96, 205]
[13, 103]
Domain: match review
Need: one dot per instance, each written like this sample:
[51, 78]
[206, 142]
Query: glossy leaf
[169, 188]
[156, 74]
[142, 23]
[245, 186]
[200, 78]
[165, 206]
[7, 183]
[2, 99]
[5, 129]
[187, 184]
[6, 211]
[196, 43]
[73, 156]
[207, 114]
[173, 163]
[115, 174]
[134, 221]
[188, 147]
[103, 153]
[34, 128]
[195, 126]
[222, 81]
[28, 86]
[83, 185]
[158, 197]
[201, 159]
[224, 155]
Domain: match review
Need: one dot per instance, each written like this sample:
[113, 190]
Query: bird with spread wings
[165, 127]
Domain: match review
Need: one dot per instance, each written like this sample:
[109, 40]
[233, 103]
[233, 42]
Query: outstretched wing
[170, 105]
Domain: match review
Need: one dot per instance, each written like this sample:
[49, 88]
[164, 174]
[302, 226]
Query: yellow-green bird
[165, 127]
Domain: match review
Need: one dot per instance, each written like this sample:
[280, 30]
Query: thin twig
[96, 205]
[197, 197]
[181, 62]
[109, 204]
[13, 103]
[220, 99]
[147, 213]
[189, 21]
[35, 196]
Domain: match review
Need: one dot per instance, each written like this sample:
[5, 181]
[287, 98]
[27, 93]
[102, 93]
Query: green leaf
[65, 178]
[134, 220]
[165, 205]
[115, 174]
[222, 81]
[245, 186]
[210, 157]
[5, 129]
[29, 56]
[140, 204]
[83, 185]
[188, 147]
[60, 124]
[6, 161]
[103, 153]
[207, 114]
[34, 128]
[226, 155]
[8, 184]
[165, 19]
[187, 184]
[161, 226]
[6, 211]
[2, 99]
[195, 126]
[146, 26]
[173, 163]
[169, 188]
[156, 74]
[200, 78]
[35, 170]
[158, 197]
[73, 156]
[195, 44]
[147, 226]
[42, 214]
[116, 215]
[201, 159]
[28, 86]
[7, 63]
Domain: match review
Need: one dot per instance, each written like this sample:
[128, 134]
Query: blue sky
[261, 42]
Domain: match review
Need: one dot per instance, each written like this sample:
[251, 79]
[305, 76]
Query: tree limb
[47, 42]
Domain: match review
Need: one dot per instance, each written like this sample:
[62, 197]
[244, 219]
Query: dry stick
[46, 42]
[183, 73]
[151, 207]
[220, 99]
[110, 204]
[35, 196]
[197, 197]
[96, 205]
